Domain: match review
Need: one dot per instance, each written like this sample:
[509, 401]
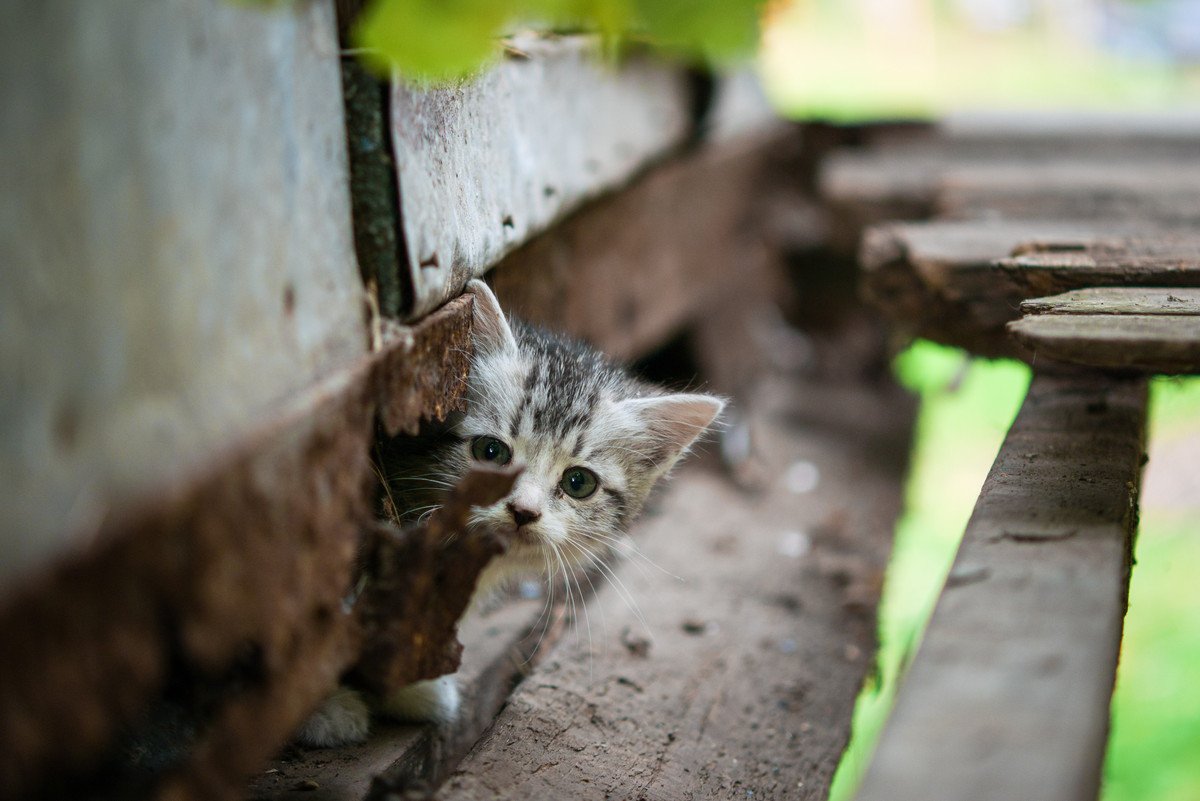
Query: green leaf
[714, 31]
[434, 40]
[442, 41]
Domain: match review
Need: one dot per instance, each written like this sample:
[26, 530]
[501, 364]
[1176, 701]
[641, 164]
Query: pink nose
[522, 516]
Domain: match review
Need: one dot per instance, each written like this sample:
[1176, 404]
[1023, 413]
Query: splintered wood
[1008, 695]
[1144, 330]
[736, 677]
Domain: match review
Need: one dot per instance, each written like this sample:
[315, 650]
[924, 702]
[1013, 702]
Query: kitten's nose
[521, 515]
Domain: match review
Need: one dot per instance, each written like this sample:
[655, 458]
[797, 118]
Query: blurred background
[863, 59]
[859, 60]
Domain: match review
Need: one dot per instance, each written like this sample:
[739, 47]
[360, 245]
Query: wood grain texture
[629, 270]
[175, 247]
[199, 628]
[1118, 300]
[1165, 191]
[1008, 695]
[1147, 343]
[939, 279]
[744, 684]
[486, 165]
[1049, 266]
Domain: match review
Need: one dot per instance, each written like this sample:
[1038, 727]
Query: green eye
[579, 482]
[490, 449]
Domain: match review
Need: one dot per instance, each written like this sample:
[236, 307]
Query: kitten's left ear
[673, 422]
[490, 330]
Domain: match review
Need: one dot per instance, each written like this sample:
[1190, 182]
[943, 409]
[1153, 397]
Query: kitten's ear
[672, 423]
[491, 332]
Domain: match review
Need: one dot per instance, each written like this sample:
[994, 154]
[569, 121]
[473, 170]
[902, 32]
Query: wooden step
[1152, 258]
[1008, 695]
[1119, 300]
[1153, 330]
[939, 279]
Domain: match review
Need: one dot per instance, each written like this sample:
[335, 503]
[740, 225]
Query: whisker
[627, 545]
[592, 594]
[620, 588]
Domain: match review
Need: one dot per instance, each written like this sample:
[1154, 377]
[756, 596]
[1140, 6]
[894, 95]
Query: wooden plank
[1051, 266]
[1168, 134]
[1166, 191]
[629, 270]
[198, 270]
[937, 280]
[1149, 343]
[1008, 695]
[228, 624]
[1068, 182]
[486, 165]
[1118, 300]
[743, 685]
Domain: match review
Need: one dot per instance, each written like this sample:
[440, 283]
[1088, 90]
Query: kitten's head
[593, 440]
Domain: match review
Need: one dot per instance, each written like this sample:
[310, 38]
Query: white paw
[343, 718]
[430, 701]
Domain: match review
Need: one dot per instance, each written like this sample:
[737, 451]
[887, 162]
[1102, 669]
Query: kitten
[593, 440]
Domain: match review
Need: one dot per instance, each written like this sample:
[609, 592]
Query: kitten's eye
[490, 449]
[579, 482]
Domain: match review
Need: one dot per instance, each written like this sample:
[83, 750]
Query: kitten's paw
[432, 701]
[342, 719]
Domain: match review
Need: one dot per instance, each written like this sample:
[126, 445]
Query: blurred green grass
[966, 408]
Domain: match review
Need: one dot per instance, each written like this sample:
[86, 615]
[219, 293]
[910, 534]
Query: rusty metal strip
[223, 595]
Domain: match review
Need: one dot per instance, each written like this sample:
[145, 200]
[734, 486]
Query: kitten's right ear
[491, 333]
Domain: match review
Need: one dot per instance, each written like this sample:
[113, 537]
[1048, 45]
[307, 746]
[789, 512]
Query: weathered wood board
[738, 678]
[1049, 266]
[1008, 695]
[937, 279]
[629, 270]
[1165, 191]
[223, 599]
[1119, 300]
[1045, 133]
[1147, 343]
[486, 165]
[911, 183]
[174, 267]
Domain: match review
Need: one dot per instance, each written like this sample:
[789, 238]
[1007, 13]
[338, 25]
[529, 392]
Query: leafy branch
[439, 41]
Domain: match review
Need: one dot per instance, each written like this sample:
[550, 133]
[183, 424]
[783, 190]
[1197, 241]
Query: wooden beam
[938, 279]
[629, 270]
[1145, 343]
[1047, 267]
[961, 281]
[227, 610]
[1163, 191]
[1118, 300]
[486, 165]
[201, 273]
[1008, 695]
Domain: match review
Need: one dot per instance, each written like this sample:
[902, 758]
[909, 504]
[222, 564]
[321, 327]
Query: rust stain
[419, 582]
[223, 598]
[424, 374]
